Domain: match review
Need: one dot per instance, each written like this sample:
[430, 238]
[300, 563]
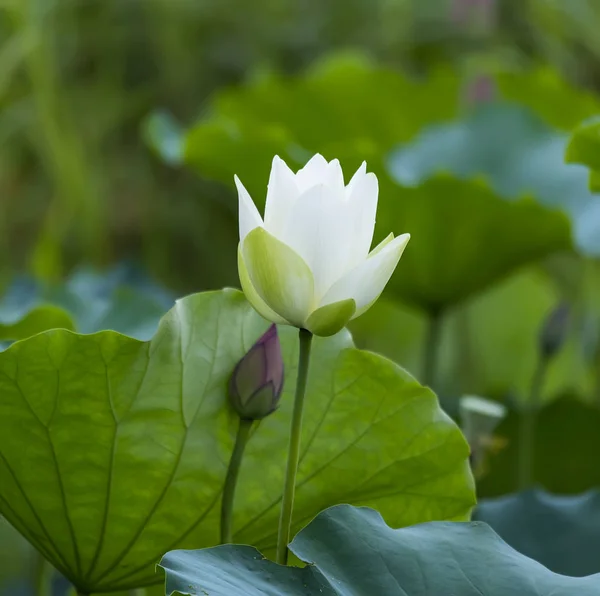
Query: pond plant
[250, 429]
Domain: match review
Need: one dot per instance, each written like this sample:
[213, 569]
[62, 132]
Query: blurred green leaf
[122, 299]
[492, 342]
[464, 238]
[489, 343]
[394, 330]
[516, 153]
[40, 318]
[352, 551]
[344, 106]
[584, 148]
[548, 93]
[130, 442]
[560, 532]
[566, 440]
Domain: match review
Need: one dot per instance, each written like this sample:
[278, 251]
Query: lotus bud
[554, 331]
[257, 380]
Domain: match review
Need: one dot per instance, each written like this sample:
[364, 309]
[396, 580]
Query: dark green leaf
[352, 551]
[561, 532]
[464, 238]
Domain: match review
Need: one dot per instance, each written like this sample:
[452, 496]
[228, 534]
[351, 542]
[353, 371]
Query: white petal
[362, 205]
[281, 195]
[253, 296]
[365, 282]
[315, 172]
[319, 171]
[318, 230]
[249, 216]
[279, 276]
[335, 178]
[358, 175]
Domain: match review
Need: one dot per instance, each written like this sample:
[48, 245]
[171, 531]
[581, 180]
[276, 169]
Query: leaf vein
[174, 471]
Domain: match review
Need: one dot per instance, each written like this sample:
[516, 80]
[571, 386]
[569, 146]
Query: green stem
[137, 592]
[287, 502]
[596, 393]
[44, 573]
[527, 426]
[233, 470]
[432, 344]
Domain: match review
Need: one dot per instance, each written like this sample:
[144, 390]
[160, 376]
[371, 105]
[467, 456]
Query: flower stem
[287, 502]
[44, 573]
[527, 426]
[432, 344]
[233, 470]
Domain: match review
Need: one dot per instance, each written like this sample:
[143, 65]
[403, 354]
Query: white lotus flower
[308, 263]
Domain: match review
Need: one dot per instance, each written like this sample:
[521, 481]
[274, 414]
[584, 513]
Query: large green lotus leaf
[353, 551]
[516, 153]
[561, 532]
[566, 441]
[113, 450]
[344, 107]
[584, 148]
[464, 238]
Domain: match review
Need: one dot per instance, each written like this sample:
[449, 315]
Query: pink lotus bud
[257, 380]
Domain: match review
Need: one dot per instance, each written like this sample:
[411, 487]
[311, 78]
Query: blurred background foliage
[122, 123]
[80, 76]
